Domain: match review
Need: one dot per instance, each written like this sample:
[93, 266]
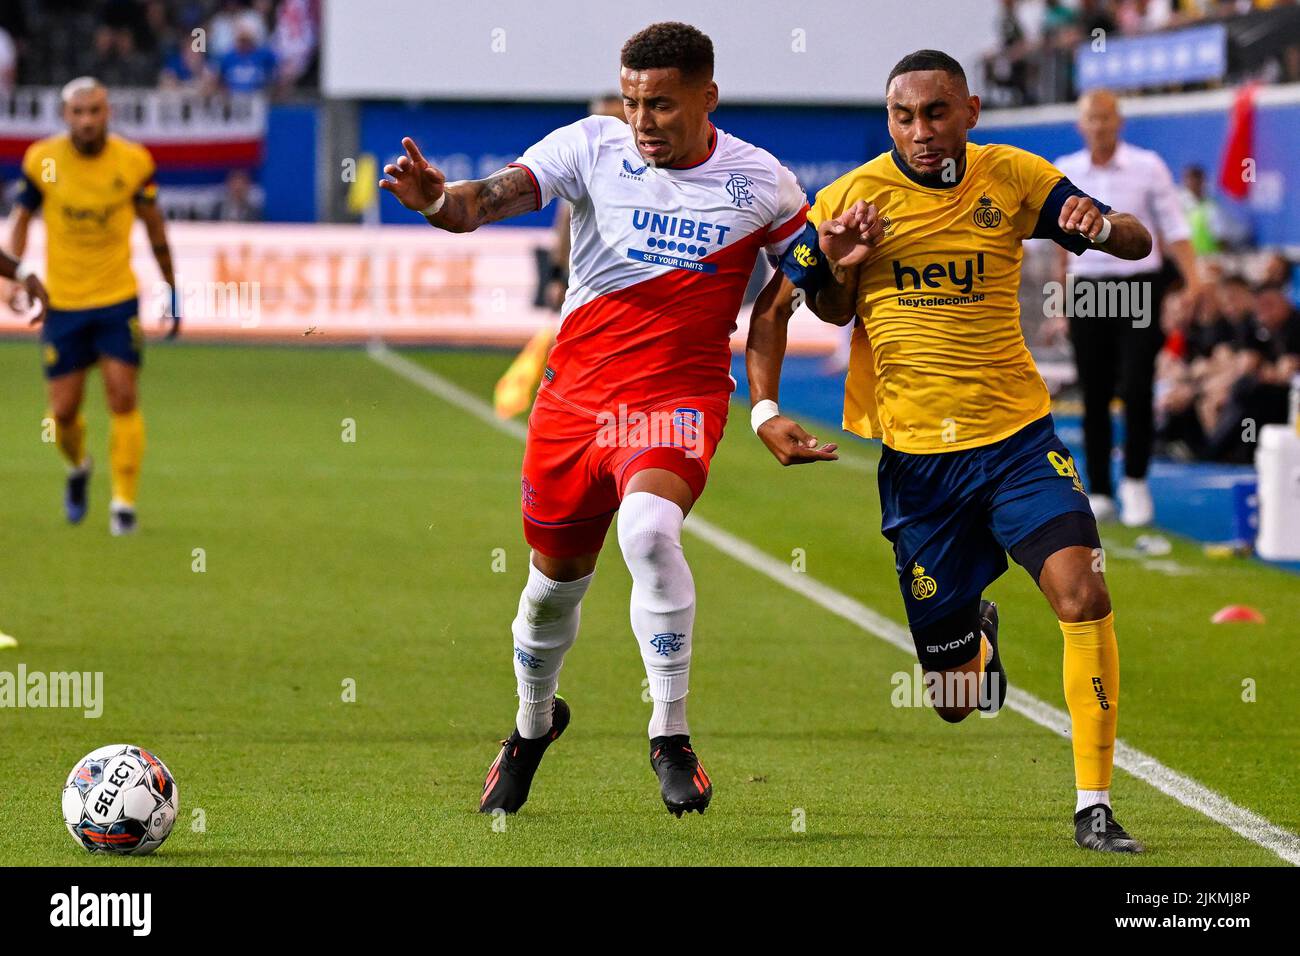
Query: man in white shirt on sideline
[1116, 348]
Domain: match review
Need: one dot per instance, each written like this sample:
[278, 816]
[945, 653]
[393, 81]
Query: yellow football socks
[71, 440]
[1091, 677]
[125, 451]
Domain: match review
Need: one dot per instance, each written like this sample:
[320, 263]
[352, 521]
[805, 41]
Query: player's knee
[539, 611]
[954, 692]
[545, 601]
[1088, 600]
[953, 714]
[65, 413]
[121, 401]
[651, 547]
[650, 558]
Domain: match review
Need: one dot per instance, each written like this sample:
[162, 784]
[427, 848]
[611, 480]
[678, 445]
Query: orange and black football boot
[511, 774]
[682, 780]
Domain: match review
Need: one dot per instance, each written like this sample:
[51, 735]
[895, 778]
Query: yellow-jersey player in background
[923, 245]
[90, 186]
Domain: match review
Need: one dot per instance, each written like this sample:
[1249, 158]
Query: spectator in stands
[1008, 69]
[1061, 33]
[13, 21]
[8, 61]
[119, 62]
[1179, 433]
[240, 202]
[1059, 23]
[1266, 364]
[184, 65]
[1131, 16]
[224, 27]
[1235, 320]
[1275, 344]
[1225, 369]
[1096, 15]
[250, 67]
[1201, 211]
[1215, 228]
[1279, 271]
[180, 52]
[295, 38]
[1113, 351]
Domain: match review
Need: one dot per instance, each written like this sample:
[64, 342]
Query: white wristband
[433, 207]
[23, 272]
[762, 412]
[1104, 234]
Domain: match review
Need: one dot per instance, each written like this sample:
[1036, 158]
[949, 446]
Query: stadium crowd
[1229, 361]
[267, 46]
[1034, 62]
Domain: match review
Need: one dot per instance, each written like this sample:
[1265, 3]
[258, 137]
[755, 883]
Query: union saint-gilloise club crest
[986, 215]
[923, 586]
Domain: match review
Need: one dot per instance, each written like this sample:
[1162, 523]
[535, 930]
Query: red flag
[1236, 174]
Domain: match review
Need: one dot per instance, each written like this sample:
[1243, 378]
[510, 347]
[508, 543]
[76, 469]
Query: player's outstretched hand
[416, 182]
[848, 238]
[1079, 214]
[35, 290]
[792, 445]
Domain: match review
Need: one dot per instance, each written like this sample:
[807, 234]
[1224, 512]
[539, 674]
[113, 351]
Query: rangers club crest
[527, 493]
[669, 643]
[528, 660]
[738, 189]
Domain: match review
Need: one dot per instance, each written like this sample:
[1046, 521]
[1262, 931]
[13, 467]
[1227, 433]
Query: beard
[928, 178]
[90, 147]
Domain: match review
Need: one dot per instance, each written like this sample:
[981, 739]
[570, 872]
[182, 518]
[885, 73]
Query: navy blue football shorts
[73, 339]
[953, 516]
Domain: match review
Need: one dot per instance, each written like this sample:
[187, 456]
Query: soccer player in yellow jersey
[923, 245]
[90, 186]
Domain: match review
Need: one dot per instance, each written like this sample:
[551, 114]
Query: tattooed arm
[466, 205]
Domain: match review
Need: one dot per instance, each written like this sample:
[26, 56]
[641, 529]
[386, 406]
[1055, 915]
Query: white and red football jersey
[661, 257]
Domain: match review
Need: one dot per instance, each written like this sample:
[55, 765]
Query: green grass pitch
[373, 561]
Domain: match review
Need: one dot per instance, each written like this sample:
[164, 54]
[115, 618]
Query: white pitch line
[1190, 793]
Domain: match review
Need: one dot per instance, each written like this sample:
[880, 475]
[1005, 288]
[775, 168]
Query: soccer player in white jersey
[669, 215]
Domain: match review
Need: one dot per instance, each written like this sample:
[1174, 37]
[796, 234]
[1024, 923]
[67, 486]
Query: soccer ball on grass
[120, 799]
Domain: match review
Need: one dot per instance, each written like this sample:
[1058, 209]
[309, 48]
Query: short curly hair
[926, 60]
[670, 45]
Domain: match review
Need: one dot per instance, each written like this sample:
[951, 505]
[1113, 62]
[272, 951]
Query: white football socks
[668, 718]
[663, 602]
[1090, 798]
[544, 630]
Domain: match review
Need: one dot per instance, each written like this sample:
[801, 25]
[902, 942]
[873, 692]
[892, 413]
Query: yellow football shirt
[939, 362]
[89, 207]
